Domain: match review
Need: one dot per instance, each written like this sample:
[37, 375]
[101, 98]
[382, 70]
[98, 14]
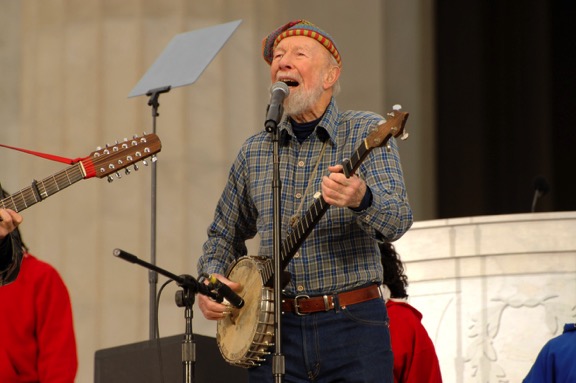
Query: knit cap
[298, 28]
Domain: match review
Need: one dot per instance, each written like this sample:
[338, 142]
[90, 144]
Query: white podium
[492, 289]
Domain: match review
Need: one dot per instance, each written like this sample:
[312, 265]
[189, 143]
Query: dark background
[506, 105]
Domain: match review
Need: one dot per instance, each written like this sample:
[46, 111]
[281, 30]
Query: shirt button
[298, 195]
[301, 164]
[297, 255]
[300, 288]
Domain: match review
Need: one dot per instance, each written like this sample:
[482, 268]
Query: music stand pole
[154, 94]
[181, 63]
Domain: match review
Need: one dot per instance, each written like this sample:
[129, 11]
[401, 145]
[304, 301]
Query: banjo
[245, 336]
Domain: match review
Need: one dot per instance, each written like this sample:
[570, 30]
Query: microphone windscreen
[280, 85]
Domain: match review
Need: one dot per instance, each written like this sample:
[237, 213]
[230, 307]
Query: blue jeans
[347, 345]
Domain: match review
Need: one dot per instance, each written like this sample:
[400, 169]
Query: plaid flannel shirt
[341, 253]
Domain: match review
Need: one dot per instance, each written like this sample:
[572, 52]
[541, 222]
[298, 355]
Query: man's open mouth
[290, 82]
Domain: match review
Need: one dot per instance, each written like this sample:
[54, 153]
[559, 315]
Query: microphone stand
[184, 298]
[278, 360]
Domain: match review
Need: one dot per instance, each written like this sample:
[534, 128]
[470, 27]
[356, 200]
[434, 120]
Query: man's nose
[285, 61]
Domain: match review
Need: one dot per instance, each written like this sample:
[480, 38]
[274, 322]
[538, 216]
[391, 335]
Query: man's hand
[337, 190]
[213, 310]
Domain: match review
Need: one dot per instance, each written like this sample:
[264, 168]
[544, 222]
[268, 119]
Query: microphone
[226, 292]
[541, 188]
[279, 91]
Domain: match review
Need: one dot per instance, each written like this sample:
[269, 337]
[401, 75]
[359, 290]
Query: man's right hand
[210, 308]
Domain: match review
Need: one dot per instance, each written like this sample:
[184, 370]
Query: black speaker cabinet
[140, 363]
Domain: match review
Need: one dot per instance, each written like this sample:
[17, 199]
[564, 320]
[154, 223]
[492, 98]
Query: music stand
[185, 58]
[181, 63]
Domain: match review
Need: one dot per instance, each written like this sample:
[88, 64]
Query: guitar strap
[294, 219]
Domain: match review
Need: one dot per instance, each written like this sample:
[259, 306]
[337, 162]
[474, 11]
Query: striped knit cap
[298, 28]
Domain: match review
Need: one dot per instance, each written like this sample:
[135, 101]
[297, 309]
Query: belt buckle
[296, 311]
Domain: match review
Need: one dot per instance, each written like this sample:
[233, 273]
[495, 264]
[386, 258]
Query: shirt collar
[327, 127]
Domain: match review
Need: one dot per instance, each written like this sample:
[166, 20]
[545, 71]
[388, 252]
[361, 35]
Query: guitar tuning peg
[127, 171]
[98, 148]
[110, 179]
[388, 148]
[154, 159]
[397, 107]
[145, 162]
[135, 136]
[136, 167]
[118, 175]
[125, 139]
[404, 136]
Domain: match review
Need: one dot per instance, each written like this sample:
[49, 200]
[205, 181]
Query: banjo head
[245, 335]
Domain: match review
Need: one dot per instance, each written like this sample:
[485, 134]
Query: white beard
[302, 101]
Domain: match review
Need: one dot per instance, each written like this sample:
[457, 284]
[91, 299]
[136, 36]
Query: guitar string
[26, 197]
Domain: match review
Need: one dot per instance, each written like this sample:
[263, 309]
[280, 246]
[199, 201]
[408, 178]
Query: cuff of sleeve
[366, 201]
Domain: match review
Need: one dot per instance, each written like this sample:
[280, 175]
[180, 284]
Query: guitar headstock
[104, 162]
[393, 127]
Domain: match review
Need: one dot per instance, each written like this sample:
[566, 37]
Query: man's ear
[332, 76]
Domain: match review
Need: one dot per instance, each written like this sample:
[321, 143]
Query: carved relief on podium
[492, 289]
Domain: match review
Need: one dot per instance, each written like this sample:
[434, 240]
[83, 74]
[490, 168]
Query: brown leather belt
[303, 304]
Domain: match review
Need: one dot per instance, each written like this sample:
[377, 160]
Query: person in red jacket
[37, 341]
[415, 359]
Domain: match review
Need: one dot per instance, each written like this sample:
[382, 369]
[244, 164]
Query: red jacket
[37, 342]
[415, 359]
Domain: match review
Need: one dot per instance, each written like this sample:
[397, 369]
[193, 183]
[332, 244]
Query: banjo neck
[393, 127]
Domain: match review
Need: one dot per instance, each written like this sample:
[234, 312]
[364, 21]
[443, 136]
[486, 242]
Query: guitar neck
[40, 190]
[104, 162]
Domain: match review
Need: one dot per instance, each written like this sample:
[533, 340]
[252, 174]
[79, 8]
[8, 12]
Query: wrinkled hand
[9, 221]
[213, 310]
[337, 190]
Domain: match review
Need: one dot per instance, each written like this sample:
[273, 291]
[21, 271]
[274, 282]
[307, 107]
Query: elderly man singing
[334, 322]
